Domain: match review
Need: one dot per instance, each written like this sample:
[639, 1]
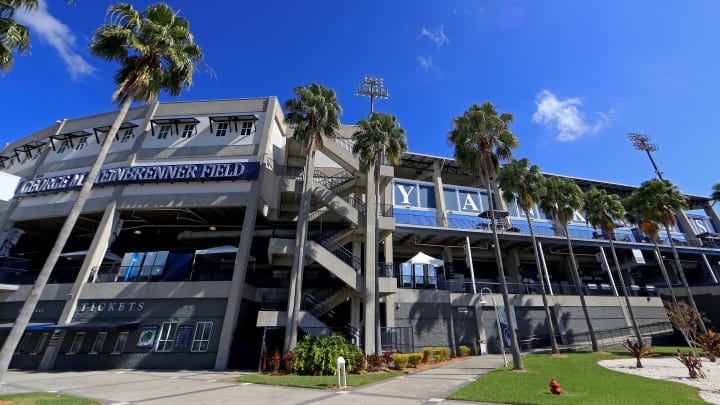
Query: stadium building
[182, 256]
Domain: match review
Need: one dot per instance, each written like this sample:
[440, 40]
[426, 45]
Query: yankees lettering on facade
[143, 174]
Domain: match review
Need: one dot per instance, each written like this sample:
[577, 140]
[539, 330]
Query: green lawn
[583, 381]
[44, 398]
[308, 381]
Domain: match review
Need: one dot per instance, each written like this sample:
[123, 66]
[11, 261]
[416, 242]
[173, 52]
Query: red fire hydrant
[555, 387]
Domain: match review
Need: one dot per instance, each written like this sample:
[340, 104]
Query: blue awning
[31, 326]
[99, 326]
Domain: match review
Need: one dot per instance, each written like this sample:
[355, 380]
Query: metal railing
[341, 253]
[333, 321]
[397, 339]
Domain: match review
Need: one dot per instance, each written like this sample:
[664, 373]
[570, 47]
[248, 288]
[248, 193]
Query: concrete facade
[195, 216]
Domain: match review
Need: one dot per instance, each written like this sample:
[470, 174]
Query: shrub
[427, 355]
[289, 362]
[275, 362]
[441, 353]
[401, 360]
[463, 351]
[638, 350]
[360, 364]
[415, 359]
[692, 362]
[375, 362]
[387, 357]
[710, 344]
[317, 355]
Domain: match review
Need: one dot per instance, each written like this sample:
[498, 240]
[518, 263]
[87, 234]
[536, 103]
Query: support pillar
[369, 293]
[440, 207]
[237, 285]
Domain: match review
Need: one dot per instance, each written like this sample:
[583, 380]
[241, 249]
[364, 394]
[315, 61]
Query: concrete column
[369, 297]
[685, 224]
[390, 310]
[94, 258]
[440, 206]
[481, 332]
[710, 211]
[388, 241]
[237, 285]
[511, 263]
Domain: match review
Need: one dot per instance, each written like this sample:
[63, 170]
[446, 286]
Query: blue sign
[141, 175]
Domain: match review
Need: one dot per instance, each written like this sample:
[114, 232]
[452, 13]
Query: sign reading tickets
[142, 175]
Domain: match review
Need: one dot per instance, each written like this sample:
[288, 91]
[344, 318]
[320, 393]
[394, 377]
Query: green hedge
[317, 355]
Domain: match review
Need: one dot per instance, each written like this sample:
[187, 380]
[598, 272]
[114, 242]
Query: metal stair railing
[346, 143]
[314, 307]
[332, 182]
[341, 253]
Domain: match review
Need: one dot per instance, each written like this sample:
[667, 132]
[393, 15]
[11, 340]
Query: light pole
[640, 142]
[497, 318]
[373, 87]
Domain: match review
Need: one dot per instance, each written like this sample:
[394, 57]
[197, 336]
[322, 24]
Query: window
[120, 342]
[167, 336]
[99, 342]
[22, 347]
[127, 135]
[81, 143]
[77, 343]
[247, 127]
[188, 130]
[164, 131]
[64, 145]
[222, 128]
[201, 339]
[40, 346]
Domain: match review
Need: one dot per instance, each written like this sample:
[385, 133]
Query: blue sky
[577, 75]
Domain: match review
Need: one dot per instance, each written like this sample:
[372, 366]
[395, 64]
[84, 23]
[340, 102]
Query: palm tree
[527, 186]
[156, 51]
[562, 199]
[601, 211]
[483, 139]
[657, 201]
[314, 115]
[14, 37]
[380, 135]
[716, 192]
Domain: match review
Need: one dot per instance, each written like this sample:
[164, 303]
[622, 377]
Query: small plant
[361, 364]
[693, 364]
[275, 362]
[415, 359]
[710, 343]
[427, 355]
[441, 354]
[387, 357]
[638, 350]
[463, 351]
[401, 360]
[682, 316]
[375, 362]
[289, 362]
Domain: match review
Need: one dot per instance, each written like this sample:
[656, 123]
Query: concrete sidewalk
[211, 387]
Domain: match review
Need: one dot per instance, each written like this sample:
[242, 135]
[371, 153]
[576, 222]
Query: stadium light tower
[640, 142]
[372, 87]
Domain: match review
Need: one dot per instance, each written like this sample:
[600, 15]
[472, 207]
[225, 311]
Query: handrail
[318, 310]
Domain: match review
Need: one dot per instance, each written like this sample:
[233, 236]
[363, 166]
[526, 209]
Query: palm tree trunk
[701, 323]
[33, 298]
[578, 284]
[378, 335]
[517, 357]
[641, 342]
[663, 271]
[296, 276]
[548, 315]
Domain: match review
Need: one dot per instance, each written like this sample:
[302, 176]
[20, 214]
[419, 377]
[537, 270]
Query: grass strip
[44, 398]
[583, 382]
[322, 382]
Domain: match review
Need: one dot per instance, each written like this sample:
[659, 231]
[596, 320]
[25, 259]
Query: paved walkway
[212, 387]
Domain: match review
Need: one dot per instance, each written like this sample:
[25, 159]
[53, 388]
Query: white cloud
[565, 117]
[438, 36]
[58, 35]
[425, 62]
